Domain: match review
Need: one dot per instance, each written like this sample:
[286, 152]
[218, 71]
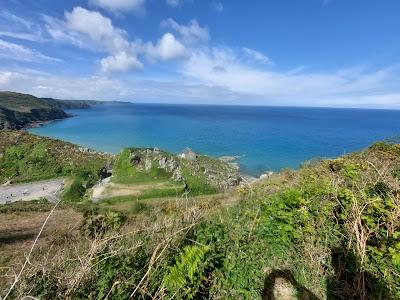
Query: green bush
[96, 224]
[74, 192]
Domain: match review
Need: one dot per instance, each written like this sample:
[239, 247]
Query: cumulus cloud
[255, 55]
[121, 62]
[98, 27]
[118, 6]
[190, 33]
[18, 52]
[167, 48]
[91, 30]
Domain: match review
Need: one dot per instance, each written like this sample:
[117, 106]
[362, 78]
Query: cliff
[18, 111]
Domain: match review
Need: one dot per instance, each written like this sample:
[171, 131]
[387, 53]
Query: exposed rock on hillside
[18, 111]
[214, 172]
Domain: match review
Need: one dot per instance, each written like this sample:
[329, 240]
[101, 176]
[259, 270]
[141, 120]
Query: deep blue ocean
[266, 138]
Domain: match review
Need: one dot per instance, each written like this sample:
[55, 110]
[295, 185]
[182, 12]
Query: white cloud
[91, 30]
[58, 31]
[256, 55]
[217, 6]
[98, 27]
[21, 28]
[121, 62]
[52, 85]
[224, 68]
[347, 88]
[18, 52]
[16, 20]
[5, 78]
[190, 33]
[173, 3]
[167, 48]
[120, 5]
[103, 88]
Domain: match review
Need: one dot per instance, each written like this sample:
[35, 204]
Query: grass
[125, 173]
[170, 190]
[162, 193]
[197, 184]
[26, 157]
[41, 205]
[118, 199]
[330, 229]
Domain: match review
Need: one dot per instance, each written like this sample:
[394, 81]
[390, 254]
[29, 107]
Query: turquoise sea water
[266, 138]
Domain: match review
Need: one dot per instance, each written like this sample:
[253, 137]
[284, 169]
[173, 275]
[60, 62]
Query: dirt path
[48, 189]
[109, 189]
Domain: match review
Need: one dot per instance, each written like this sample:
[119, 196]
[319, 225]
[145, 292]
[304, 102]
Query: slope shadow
[270, 283]
[349, 282]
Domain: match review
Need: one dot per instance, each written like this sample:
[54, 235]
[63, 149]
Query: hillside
[26, 157]
[18, 111]
[327, 231]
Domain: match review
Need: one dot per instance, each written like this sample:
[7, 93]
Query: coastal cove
[265, 138]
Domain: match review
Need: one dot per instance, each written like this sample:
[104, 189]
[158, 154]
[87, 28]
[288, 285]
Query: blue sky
[338, 53]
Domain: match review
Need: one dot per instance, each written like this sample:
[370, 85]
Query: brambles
[331, 229]
[96, 224]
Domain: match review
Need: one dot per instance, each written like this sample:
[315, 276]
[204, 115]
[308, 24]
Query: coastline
[37, 124]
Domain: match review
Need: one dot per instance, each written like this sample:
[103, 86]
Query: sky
[333, 53]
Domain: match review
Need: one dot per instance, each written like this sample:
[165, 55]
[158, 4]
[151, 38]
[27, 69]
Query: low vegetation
[18, 111]
[330, 230]
[26, 157]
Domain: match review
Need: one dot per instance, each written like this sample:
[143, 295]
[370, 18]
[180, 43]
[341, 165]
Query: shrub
[380, 189]
[139, 207]
[96, 224]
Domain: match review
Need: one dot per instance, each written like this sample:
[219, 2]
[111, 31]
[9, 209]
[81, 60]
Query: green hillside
[330, 230]
[18, 110]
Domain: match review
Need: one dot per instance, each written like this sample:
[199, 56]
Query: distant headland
[20, 111]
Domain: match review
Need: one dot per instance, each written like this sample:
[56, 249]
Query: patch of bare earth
[116, 189]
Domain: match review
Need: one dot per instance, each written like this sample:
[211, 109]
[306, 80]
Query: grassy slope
[25, 102]
[332, 230]
[27, 157]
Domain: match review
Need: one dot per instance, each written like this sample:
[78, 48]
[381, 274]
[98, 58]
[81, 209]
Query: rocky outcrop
[217, 173]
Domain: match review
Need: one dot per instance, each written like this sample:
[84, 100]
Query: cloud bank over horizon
[92, 51]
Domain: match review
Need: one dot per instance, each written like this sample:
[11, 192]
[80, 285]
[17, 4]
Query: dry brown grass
[19, 230]
[63, 249]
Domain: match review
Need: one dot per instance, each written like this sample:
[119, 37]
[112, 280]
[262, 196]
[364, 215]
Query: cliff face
[16, 120]
[18, 111]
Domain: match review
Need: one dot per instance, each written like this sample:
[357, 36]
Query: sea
[263, 138]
